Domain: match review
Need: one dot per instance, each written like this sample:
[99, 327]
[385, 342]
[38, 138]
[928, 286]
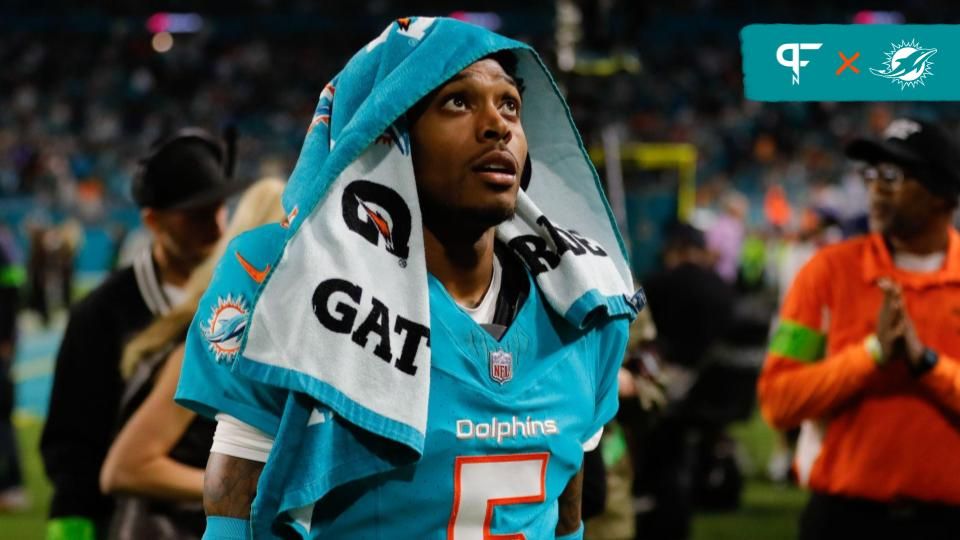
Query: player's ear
[527, 172]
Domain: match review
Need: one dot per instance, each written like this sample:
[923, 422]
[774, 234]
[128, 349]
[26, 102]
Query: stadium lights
[878, 17]
[175, 23]
[162, 42]
[489, 20]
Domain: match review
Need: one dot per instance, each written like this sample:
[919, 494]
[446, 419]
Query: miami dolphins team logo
[907, 64]
[377, 213]
[224, 329]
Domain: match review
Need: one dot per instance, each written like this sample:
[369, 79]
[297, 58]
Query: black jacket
[87, 386]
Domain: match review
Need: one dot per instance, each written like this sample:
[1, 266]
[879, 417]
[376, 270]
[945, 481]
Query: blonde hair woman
[155, 465]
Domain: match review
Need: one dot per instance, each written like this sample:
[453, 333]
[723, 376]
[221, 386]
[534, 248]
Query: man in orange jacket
[866, 358]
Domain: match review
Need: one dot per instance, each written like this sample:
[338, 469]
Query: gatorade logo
[376, 213]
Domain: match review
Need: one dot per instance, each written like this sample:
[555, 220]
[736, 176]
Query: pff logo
[794, 62]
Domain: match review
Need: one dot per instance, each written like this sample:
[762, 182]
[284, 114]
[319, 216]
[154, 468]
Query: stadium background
[83, 91]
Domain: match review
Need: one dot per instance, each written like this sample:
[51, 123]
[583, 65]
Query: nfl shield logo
[501, 366]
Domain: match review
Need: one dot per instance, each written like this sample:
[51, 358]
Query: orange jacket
[870, 432]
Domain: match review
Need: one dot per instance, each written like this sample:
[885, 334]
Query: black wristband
[928, 359]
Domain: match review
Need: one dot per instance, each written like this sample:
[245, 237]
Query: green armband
[71, 528]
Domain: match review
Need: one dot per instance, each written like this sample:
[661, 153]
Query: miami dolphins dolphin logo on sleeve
[224, 329]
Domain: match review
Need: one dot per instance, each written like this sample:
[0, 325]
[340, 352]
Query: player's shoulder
[249, 258]
[270, 235]
[208, 382]
[224, 309]
[260, 245]
[602, 332]
[612, 329]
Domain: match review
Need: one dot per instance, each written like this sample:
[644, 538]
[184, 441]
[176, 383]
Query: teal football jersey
[507, 419]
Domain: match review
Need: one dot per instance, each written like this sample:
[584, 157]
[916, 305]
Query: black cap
[187, 170]
[923, 149]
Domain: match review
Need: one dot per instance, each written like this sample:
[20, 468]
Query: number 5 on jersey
[481, 483]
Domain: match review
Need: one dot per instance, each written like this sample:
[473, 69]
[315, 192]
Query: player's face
[899, 204]
[469, 149]
[188, 236]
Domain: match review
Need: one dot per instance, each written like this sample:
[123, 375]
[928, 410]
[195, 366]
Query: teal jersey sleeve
[209, 383]
[611, 343]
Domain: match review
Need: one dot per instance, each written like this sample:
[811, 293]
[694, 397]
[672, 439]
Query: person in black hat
[866, 359]
[914, 180]
[181, 188]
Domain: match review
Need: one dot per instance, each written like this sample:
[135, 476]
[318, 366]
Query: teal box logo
[837, 62]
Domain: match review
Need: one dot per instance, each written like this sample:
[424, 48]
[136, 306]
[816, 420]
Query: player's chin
[492, 212]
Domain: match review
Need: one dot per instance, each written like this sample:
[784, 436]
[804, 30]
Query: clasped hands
[895, 330]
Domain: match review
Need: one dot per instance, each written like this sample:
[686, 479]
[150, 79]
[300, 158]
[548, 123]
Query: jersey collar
[877, 263]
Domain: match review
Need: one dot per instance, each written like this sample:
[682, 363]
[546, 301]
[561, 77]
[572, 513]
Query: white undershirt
[237, 439]
[919, 263]
[485, 310]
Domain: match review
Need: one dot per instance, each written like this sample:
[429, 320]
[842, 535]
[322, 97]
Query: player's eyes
[455, 102]
[511, 105]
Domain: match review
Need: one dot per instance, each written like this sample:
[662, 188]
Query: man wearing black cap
[866, 358]
[180, 188]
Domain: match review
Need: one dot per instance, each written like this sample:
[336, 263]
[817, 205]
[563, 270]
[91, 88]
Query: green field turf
[768, 512]
[29, 525]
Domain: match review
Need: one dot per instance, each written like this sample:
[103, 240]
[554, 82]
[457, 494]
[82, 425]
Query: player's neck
[465, 267]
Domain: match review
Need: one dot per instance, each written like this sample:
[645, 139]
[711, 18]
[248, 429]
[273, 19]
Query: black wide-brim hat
[189, 170]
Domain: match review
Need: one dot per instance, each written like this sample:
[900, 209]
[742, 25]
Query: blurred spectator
[726, 234]
[37, 266]
[154, 468]
[50, 267]
[690, 303]
[181, 188]
[692, 307]
[13, 497]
